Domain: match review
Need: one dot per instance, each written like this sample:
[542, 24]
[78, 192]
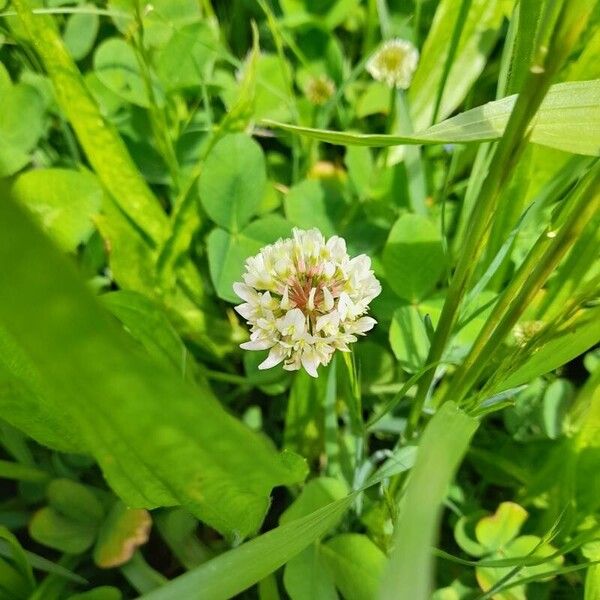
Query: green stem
[549, 249]
[158, 118]
[415, 174]
[502, 165]
[225, 377]
[459, 24]
[330, 424]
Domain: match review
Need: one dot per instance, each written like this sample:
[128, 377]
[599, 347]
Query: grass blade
[568, 119]
[234, 571]
[444, 443]
[103, 146]
[198, 455]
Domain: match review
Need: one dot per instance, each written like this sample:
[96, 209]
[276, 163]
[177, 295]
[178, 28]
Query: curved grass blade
[43, 564]
[568, 119]
[234, 571]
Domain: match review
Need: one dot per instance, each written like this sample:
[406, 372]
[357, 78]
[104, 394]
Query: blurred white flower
[394, 63]
[305, 298]
[319, 89]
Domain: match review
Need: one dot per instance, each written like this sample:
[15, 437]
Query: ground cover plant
[299, 299]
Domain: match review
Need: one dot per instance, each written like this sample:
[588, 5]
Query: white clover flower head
[319, 89]
[394, 63]
[305, 298]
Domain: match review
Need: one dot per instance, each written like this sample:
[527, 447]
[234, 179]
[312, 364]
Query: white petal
[328, 300]
[285, 300]
[244, 309]
[344, 305]
[364, 324]
[257, 345]
[311, 298]
[297, 320]
[245, 292]
[328, 269]
[310, 362]
[276, 355]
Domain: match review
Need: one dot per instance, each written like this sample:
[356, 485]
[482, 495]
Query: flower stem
[551, 246]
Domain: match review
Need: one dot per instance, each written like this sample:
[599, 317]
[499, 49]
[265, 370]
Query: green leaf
[104, 148]
[104, 592]
[413, 257]
[64, 202]
[580, 336]
[445, 440]
[21, 405]
[271, 99]
[51, 528]
[12, 583]
[478, 39]
[359, 162]
[148, 324]
[356, 565]
[312, 203]
[234, 571]
[123, 531]
[497, 530]
[80, 32]
[306, 577]
[592, 583]
[21, 117]
[330, 12]
[116, 66]
[187, 56]
[315, 494]
[21, 125]
[568, 119]
[408, 338]
[75, 501]
[19, 558]
[227, 252]
[43, 564]
[132, 266]
[232, 182]
[522, 546]
[464, 533]
[22, 472]
[557, 399]
[166, 17]
[198, 455]
[400, 461]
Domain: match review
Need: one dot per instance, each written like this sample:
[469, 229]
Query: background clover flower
[319, 89]
[305, 298]
[394, 63]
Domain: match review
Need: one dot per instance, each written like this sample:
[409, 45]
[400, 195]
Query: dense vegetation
[148, 150]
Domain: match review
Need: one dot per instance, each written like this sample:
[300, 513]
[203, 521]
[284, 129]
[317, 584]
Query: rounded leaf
[497, 530]
[63, 200]
[233, 181]
[413, 257]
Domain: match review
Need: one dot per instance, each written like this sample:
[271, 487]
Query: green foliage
[413, 257]
[232, 182]
[443, 445]
[139, 388]
[147, 150]
[64, 201]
